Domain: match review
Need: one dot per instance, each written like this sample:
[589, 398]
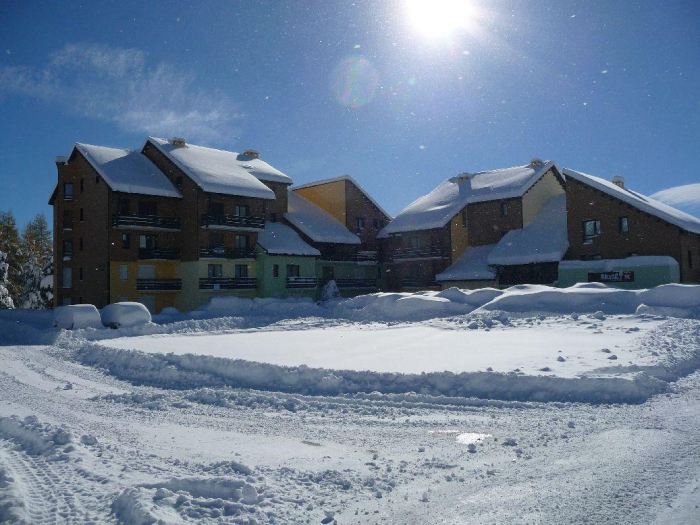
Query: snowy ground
[93, 432]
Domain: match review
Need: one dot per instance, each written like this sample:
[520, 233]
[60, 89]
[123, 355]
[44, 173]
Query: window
[415, 242]
[241, 241]
[67, 219]
[80, 244]
[690, 259]
[82, 185]
[242, 210]
[328, 273]
[504, 209]
[216, 209]
[591, 229]
[67, 278]
[216, 240]
[178, 181]
[215, 271]
[97, 179]
[273, 217]
[360, 222]
[126, 241]
[80, 274]
[123, 207]
[464, 218]
[148, 208]
[292, 270]
[275, 270]
[123, 272]
[67, 191]
[67, 249]
[148, 242]
[377, 224]
[624, 225]
[67, 301]
[241, 271]
[82, 215]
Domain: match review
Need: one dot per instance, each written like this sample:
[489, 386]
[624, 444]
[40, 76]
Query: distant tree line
[26, 263]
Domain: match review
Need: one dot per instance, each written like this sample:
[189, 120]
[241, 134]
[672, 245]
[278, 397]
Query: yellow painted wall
[329, 196]
[543, 190]
[459, 237]
[119, 289]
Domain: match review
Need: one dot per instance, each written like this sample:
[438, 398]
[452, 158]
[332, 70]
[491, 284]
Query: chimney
[619, 180]
[463, 177]
[178, 142]
[534, 163]
[61, 160]
[255, 154]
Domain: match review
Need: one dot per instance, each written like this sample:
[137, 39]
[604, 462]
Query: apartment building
[433, 242]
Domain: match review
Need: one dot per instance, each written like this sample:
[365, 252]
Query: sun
[436, 18]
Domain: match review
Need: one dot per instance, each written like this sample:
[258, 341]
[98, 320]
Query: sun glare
[436, 18]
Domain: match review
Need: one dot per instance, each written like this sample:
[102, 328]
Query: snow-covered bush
[330, 291]
[5, 299]
[125, 314]
[77, 316]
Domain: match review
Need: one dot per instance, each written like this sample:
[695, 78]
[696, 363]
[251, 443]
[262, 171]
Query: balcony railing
[364, 256]
[170, 254]
[145, 222]
[226, 253]
[226, 283]
[158, 285]
[431, 252]
[419, 283]
[233, 222]
[301, 282]
[356, 283]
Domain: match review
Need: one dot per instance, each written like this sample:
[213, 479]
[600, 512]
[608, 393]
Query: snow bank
[125, 314]
[77, 316]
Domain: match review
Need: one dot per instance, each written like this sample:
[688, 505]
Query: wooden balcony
[413, 254]
[145, 222]
[226, 253]
[158, 285]
[364, 256]
[356, 283]
[226, 283]
[233, 222]
[167, 254]
[301, 282]
[420, 284]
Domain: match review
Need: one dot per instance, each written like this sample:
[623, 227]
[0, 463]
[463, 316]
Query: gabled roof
[344, 178]
[280, 239]
[471, 266]
[317, 224]
[261, 169]
[444, 202]
[653, 207]
[214, 170]
[127, 171]
[544, 239]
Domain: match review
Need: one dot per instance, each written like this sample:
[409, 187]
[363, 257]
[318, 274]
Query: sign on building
[611, 277]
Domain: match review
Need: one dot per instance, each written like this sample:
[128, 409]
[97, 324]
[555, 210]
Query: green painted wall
[644, 276]
[269, 286]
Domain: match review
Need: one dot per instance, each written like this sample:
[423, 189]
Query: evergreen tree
[37, 247]
[10, 245]
[5, 299]
[46, 287]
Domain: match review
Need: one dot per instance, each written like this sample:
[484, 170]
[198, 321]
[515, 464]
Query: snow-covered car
[125, 314]
[76, 316]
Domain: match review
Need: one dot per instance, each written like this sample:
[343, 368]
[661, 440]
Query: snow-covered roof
[472, 265]
[127, 171]
[344, 178]
[318, 224]
[261, 169]
[628, 262]
[544, 239]
[647, 204]
[280, 239]
[444, 202]
[214, 170]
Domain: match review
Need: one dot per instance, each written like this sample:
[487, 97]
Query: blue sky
[324, 88]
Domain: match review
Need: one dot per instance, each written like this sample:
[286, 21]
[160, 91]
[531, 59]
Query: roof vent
[534, 163]
[619, 180]
[255, 154]
[61, 160]
[178, 142]
[463, 177]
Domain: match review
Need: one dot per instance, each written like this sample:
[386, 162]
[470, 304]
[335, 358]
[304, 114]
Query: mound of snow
[77, 316]
[117, 315]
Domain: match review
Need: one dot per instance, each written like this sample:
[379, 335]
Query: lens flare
[355, 81]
